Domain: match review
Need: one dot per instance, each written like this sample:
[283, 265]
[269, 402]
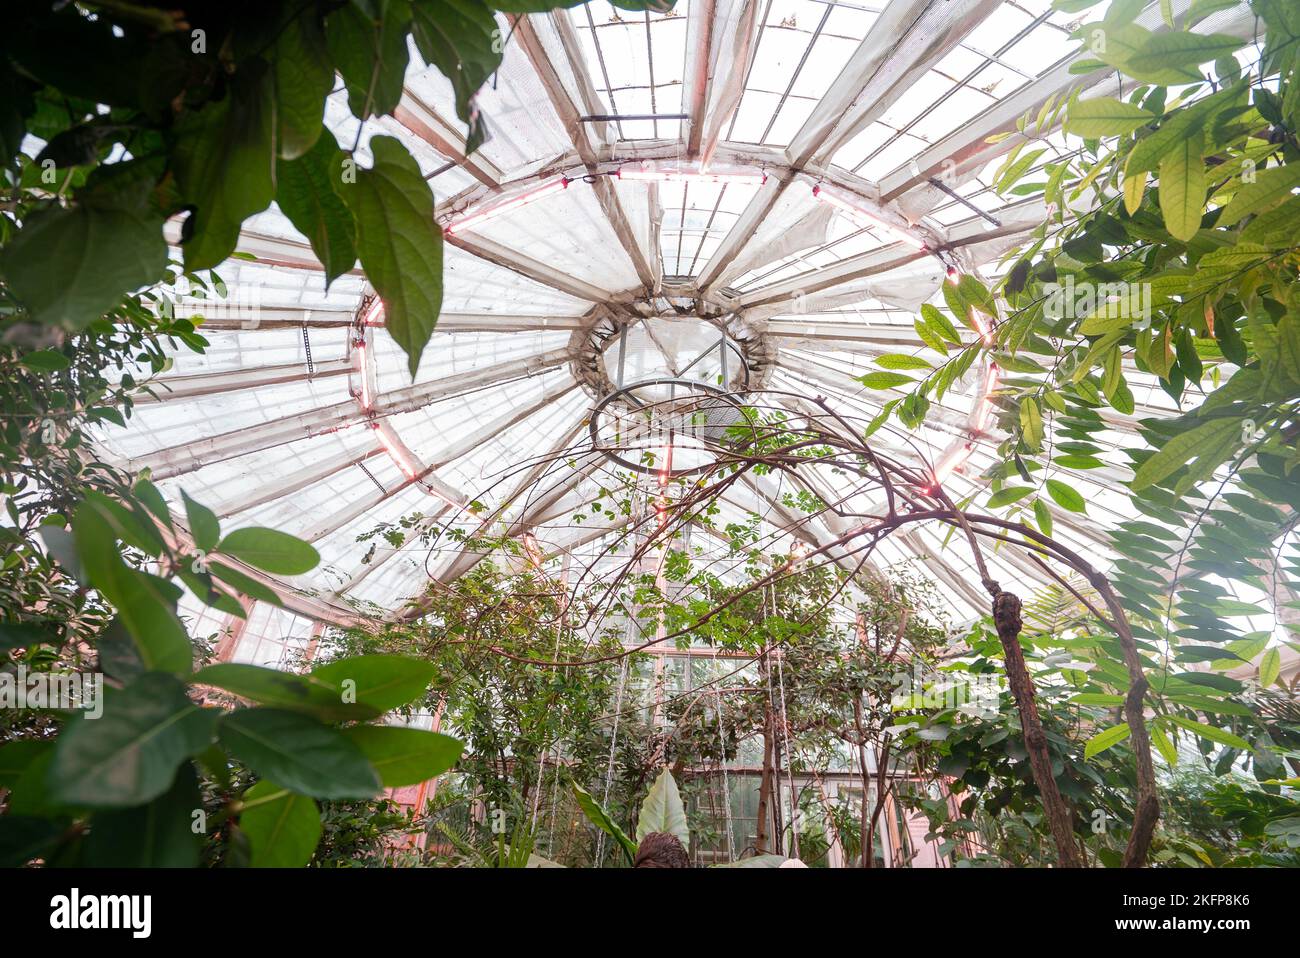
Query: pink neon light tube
[654, 175]
[514, 203]
[863, 218]
[395, 454]
[367, 398]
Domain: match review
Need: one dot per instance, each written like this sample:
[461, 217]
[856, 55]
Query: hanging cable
[726, 784]
[613, 742]
[789, 769]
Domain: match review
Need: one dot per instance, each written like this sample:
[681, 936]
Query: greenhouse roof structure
[778, 185]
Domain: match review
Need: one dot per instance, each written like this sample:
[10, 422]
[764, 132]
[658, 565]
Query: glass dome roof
[846, 141]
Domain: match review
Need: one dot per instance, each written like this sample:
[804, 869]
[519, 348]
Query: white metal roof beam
[905, 41]
[177, 460]
[289, 481]
[499, 255]
[425, 123]
[250, 318]
[873, 263]
[968, 149]
[385, 555]
[181, 388]
[235, 317]
[570, 117]
[801, 331]
[467, 444]
[700, 63]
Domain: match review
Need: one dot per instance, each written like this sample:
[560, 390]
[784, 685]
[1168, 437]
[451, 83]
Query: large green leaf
[902, 361]
[284, 690]
[244, 583]
[1270, 186]
[157, 835]
[1031, 424]
[1210, 732]
[1182, 187]
[461, 38]
[270, 550]
[1066, 496]
[204, 526]
[597, 815]
[1269, 667]
[303, 76]
[17, 757]
[382, 682]
[399, 243]
[70, 266]
[1105, 116]
[129, 755]
[1180, 50]
[1104, 740]
[367, 40]
[663, 811]
[940, 323]
[299, 752]
[283, 828]
[142, 601]
[884, 380]
[1184, 447]
[224, 160]
[405, 756]
[307, 191]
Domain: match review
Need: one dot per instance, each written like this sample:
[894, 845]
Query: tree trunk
[1006, 615]
[764, 785]
[866, 842]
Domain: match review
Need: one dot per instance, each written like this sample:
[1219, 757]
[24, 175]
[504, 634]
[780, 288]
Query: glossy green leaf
[204, 526]
[142, 601]
[382, 682]
[284, 690]
[129, 755]
[303, 76]
[283, 828]
[299, 752]
[157, 835]
[884, 380]
[1183, 448]
[399, 243]
[1106, 739]
[600, 818]
[1210, 732]
[663, 811]
[270, 550]
[405, 756]
[1182, 187]
[1105, 116]
[224, 160]
[1269, 667]
[70, 265]
[902, 361]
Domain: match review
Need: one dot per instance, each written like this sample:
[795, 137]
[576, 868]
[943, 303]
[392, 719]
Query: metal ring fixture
[720, 398]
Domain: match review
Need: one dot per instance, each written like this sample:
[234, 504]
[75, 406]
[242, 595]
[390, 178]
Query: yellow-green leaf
[1104, 740]
[1269, 667]
[1182, 187]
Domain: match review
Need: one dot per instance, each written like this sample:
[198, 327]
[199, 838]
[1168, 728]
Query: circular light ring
[703, 392]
